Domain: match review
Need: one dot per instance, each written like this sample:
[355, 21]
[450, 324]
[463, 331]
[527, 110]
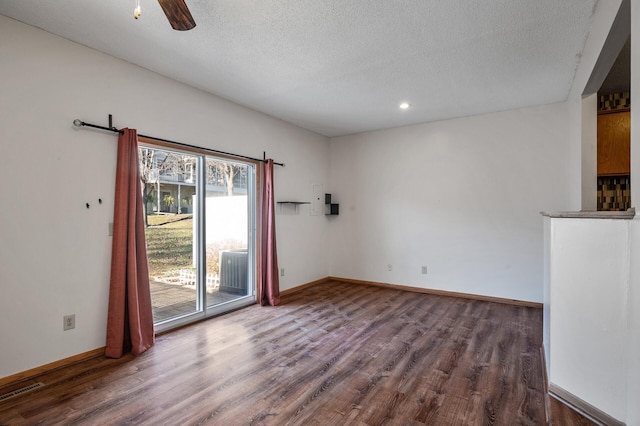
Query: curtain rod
[80, 123]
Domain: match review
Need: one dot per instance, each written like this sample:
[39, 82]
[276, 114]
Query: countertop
[593, 214]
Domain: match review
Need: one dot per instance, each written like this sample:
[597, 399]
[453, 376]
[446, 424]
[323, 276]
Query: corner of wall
[589, 145]
[633, 342]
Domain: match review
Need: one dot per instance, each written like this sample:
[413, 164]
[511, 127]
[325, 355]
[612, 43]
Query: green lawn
[169, 245]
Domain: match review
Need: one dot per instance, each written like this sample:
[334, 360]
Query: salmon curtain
[130, 318]
[269, 281]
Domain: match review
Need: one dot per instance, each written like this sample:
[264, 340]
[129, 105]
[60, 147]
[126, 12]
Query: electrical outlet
[424, 270]
[390, 267]
[282, 272]
[69, 322]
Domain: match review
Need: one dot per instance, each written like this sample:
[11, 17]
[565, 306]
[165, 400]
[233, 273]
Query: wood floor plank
[331, 354]
[562, 415]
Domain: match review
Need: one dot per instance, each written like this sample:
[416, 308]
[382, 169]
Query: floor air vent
[21, 391]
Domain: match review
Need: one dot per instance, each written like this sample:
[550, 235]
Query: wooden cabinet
[614, 142]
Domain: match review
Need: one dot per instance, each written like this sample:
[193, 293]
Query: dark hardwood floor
[332, 354]
[562, 415]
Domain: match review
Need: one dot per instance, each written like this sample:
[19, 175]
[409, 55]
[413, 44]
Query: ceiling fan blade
[178, 14]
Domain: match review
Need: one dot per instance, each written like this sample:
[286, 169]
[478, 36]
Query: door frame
[253, 198]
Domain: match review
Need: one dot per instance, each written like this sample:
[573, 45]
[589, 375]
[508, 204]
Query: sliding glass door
[200, 216]
[169, 186]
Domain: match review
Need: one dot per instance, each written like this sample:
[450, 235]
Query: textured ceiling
[338, 67]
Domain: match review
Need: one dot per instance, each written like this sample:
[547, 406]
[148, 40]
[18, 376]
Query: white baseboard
[589, 411]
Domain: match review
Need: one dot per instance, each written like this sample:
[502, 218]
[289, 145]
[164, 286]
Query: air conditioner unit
[233, 271]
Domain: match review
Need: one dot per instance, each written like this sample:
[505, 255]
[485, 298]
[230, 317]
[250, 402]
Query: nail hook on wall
[89, 205]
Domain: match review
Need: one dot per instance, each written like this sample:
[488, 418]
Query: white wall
[595, 338]
[633, 325]
[461, 196]
[589, 275]
[634, 287]
[546, 292]
[589, 152]
[55, 253]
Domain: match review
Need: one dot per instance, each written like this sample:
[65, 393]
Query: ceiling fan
[177, 13]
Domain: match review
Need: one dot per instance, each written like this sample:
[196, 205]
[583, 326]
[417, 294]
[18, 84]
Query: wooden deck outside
[172, 300]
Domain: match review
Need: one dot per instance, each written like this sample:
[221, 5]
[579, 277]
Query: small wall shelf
[331, 209]
[290, 207]
[293, 202]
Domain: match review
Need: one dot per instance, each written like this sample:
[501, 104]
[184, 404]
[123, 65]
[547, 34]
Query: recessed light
[405, 105]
